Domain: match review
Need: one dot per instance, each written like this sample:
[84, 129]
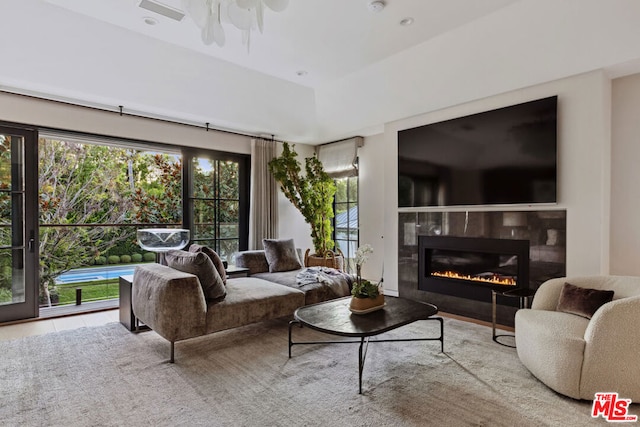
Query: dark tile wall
[545, 229]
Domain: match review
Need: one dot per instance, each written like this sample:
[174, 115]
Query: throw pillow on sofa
[582, 301]
[199, 264]
[281, 255]
[215, 258]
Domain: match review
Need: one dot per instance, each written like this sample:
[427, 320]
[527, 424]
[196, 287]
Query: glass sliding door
[94, 194]
[18, 226]
[217, 202]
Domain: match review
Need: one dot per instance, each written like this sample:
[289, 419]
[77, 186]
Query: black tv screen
[503, 156]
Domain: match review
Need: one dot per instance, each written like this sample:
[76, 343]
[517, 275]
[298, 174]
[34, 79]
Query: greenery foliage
[149, 256]
[91, 291]
[5, 295]
[216, 195]
[83, 186]
[92, 198]
[312, 194]
[363, 288]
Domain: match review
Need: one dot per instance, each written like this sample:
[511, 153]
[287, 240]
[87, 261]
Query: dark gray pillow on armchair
[200, 264]
[582, 301]
[281, 255]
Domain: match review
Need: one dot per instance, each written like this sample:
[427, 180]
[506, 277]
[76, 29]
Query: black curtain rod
[121, 112]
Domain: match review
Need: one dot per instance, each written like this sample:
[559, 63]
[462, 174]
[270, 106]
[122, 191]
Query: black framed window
[94, 192]
[217, 201]
[346, 223]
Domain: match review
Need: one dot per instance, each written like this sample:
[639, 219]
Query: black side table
[127, 318]
[233, 271]
[524, 295]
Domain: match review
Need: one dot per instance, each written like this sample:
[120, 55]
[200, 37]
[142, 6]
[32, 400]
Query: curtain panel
[263, 211]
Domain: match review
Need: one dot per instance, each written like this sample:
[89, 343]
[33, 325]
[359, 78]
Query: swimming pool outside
[95, 273]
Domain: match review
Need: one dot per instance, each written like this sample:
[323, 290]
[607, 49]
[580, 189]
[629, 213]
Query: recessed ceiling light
[149, 20]
[376, 6]
[406, 21]
[301, 73]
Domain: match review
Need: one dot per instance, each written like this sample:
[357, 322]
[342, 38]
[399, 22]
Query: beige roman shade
[340, 159]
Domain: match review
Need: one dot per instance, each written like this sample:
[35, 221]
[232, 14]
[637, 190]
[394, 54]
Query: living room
[588, 57]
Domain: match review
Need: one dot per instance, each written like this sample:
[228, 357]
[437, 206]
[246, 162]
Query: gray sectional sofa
[173, 304]
[314, 292]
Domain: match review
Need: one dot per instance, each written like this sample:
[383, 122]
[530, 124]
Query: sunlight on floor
[45, 326]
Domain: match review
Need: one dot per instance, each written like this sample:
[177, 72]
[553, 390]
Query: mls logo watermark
[612, 408]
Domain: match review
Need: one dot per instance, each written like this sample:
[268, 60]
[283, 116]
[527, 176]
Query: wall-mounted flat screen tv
[504, 156]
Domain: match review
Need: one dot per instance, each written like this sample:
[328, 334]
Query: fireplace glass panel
[485, 268]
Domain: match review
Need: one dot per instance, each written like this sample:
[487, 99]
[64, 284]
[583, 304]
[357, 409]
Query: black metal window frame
[348, 204]
[188, 199]
[188, 154]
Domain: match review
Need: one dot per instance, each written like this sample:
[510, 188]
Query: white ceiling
[363, 68]
[326, 38]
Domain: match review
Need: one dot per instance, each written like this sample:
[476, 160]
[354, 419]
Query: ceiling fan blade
[218, 33]
[277, 5]
[197, 10]
[241, 18]
[260, 15]
[208, 32]
[248, 4]
[246, 39]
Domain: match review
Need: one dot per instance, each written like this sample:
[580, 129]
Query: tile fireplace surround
[545, 229]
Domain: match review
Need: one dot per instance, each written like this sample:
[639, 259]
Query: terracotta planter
[366, 305]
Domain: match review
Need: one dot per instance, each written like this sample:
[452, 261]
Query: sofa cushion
[215, 258]
[201, 265]
[582, 301]
[281, 255]
[251, 300]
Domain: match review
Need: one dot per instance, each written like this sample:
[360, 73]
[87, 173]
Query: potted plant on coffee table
[366, 296]
[312, 194]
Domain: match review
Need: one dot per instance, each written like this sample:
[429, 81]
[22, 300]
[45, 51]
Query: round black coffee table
[335, 318]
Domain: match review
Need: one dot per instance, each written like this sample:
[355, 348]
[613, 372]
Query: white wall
[370, 204]
[625, 176]
[583, 169]
[291, 223]
[528, 43]
[35, 112]
[585, 105]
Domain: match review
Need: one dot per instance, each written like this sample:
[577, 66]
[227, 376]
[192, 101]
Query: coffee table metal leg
[364, 344]
[362, 354]
[291, 323]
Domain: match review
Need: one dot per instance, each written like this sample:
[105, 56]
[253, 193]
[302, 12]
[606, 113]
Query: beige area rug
[110, 377]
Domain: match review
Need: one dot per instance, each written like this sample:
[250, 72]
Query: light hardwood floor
[44, 326]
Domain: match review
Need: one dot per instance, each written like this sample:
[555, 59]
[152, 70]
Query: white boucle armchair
[577, 356]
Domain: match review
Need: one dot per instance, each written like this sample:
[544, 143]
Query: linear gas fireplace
[470, 268]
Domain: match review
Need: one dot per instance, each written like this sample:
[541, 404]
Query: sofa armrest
[615, 321]
[612, 347]
[255, 261]
[548, 294]
[169, 301]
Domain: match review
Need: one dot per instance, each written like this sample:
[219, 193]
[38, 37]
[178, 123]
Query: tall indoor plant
[312, 194]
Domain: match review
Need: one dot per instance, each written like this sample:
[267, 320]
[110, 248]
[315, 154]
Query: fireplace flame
[493, 279]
